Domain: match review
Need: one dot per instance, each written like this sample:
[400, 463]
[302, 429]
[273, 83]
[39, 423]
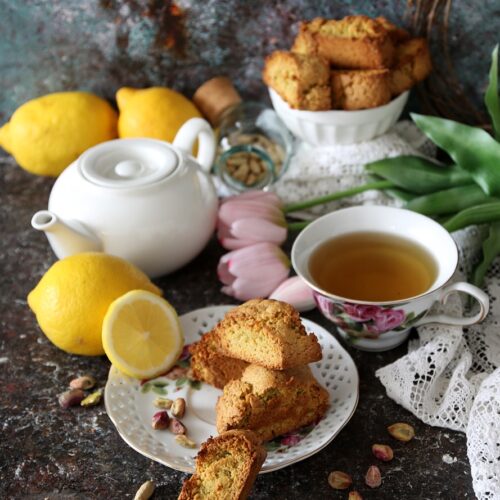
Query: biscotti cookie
[355, 42]
[226, 468]
[267, 333]
[301, 81]
[360, 89]
[270, 402]
[209, 365]
[413, 64]
[396, 33]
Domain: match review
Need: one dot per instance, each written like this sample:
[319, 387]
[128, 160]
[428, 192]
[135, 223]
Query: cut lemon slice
[141, 334]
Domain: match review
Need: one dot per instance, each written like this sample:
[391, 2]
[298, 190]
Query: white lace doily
[315, 172]
[450, 376]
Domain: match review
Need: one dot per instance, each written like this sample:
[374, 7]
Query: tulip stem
[302, 205]
[297, 226]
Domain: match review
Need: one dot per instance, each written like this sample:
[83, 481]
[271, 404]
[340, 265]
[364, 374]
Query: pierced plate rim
[318, 330]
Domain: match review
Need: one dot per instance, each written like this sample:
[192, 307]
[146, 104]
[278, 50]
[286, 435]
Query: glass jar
[254, 146]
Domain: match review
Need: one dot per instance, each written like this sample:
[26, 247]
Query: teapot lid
[126, 163]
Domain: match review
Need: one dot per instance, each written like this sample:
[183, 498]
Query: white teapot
[145, 200]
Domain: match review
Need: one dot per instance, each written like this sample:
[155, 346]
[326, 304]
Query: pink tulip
[296, 292]
[256, 195]
[253, 271]
[251, 217]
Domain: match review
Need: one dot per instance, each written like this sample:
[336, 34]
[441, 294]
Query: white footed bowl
[324, 128]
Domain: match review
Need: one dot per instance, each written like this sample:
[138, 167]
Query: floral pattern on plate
[129, 402]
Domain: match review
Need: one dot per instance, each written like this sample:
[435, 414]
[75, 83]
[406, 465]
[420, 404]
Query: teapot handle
[197, 128]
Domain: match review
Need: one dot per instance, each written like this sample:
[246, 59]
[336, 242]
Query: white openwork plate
[130, 405]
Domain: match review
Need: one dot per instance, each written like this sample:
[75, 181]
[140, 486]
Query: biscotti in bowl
[324, 128]
[345, 81]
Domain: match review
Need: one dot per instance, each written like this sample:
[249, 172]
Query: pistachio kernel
[163, 403]
[339, 480]
[401, 431]
[84, 382]
[184, 441]
[176, 426]
[145, 491]
[92, 399]
[73, 397]
[246, 167]
[354, 495]
[373, 479]
[383, 452]
[177, 372]
[179, 407]
[160, 420]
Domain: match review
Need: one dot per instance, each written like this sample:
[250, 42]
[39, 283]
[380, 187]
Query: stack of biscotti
[358, 63]
[226, 467]
[210, 365]
[259, 355]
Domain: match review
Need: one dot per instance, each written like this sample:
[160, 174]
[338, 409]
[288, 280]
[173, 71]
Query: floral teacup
[378, 326]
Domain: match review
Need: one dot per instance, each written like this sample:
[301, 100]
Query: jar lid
[215, 96]
[126, 163]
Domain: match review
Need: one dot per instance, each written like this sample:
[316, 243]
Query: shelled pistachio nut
[85, 382]
[92, 399]
[401, 431]
[73, 397]
[339, 480]
[184, 441]
[145, 491]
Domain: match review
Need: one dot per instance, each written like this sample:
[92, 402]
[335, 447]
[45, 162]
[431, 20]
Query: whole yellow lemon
[157, 112]
[47, 134]
[72, 298]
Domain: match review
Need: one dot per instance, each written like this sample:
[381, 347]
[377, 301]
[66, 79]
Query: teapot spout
[65, 238]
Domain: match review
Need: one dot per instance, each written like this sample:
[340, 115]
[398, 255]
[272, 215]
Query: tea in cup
[375, 272]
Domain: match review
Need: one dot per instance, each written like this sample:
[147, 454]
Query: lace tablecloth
[450, 376]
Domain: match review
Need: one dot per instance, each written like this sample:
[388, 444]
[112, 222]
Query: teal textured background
[101, 45]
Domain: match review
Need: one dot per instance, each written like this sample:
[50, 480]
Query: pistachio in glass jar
[254, 146]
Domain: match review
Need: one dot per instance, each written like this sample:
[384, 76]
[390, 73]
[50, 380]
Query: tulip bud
[253, 271]
[296, 292]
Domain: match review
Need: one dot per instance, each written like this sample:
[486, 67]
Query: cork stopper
[215, 96]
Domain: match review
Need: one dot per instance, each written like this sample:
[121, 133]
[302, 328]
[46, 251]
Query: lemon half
[141, 334]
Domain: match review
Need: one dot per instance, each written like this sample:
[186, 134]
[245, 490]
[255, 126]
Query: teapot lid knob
[128, 168]
[127, 163]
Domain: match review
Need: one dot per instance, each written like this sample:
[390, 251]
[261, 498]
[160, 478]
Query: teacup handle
[474, 291]
[197, 128]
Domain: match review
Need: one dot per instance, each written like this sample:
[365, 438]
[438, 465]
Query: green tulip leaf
[491, 248]
[491, 96]
[472, 148]
[418, 175]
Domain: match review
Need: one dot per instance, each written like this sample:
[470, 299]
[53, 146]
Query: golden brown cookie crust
[413, 64]
[360, 89]
[301, 81]
[354, 42]
[396, 33]
[267, 333]
[271, 403]
[226, 467]
[209, 365]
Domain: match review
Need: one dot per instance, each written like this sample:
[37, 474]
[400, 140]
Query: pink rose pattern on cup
[365, 320]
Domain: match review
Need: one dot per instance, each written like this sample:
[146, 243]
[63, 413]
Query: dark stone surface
[102, 45]
[47, 452]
